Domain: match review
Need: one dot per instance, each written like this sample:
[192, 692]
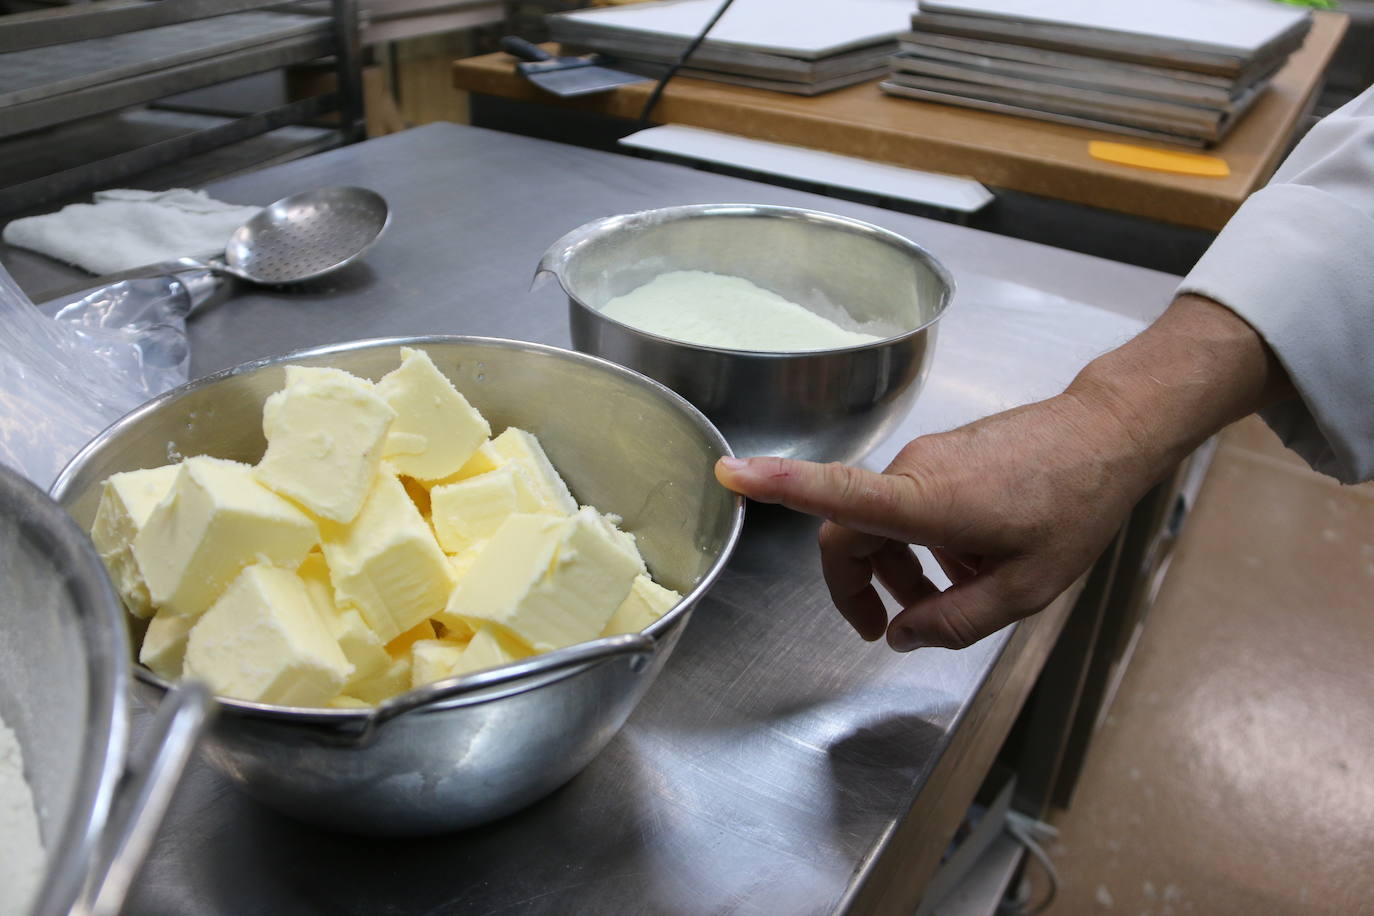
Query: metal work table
[779, 765]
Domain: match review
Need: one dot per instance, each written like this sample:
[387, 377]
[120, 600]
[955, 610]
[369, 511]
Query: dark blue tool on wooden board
[565, 76]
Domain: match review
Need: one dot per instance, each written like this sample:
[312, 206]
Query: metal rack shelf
[64, 24]
[128, 54]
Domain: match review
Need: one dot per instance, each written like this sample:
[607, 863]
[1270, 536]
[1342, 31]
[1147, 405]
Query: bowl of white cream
[799, 333]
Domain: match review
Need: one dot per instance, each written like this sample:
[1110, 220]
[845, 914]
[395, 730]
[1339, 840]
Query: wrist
[1195, 370]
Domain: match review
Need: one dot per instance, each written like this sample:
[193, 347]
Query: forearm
[1195, 370]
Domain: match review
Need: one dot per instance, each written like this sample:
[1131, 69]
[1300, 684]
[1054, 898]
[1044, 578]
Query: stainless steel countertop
[777, 753]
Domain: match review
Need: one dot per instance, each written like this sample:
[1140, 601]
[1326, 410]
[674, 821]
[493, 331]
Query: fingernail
[733, 464]
[903, 639]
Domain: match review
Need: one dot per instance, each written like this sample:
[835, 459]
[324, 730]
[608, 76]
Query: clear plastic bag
[65, 378]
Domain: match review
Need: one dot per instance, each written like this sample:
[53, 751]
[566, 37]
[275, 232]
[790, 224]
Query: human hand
[1015, 507]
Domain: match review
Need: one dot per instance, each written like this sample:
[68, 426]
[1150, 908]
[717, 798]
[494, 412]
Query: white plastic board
[960, 194]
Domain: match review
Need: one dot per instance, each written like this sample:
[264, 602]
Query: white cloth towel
[124, 229]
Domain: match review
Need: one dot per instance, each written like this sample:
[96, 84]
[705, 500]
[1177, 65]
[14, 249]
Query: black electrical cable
[672, 71]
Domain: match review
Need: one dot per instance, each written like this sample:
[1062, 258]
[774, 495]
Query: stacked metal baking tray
[1169, 70]
[66, 66]
[44, 86]
[804, 49]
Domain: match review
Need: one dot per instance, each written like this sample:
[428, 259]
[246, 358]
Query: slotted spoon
[298, 238]
[304, 236]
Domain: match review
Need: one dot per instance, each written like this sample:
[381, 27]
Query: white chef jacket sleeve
[1297, 263]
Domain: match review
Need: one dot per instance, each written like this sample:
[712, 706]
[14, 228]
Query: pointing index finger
[887, 505]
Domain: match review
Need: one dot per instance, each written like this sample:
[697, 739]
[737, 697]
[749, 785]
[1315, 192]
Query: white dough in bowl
[716, 310]
[21, 851]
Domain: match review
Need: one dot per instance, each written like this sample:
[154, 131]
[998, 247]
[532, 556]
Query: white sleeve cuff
[1298, 265]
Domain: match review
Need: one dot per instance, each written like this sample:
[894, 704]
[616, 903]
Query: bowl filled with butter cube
[427, 579]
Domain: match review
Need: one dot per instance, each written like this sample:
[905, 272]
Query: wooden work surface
[1003, 151]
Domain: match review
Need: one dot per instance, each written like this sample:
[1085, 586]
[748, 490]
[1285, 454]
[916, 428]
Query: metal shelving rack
[67, 64]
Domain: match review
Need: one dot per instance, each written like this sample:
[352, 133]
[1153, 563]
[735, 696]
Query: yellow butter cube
[344, 701]
[418, 493]
[461, 630]
[164, 644]
[515, 446]
[401, 644]
[386, 562]
[483, 460]
[611, 525]
[360, 644]
[362, 647]
[264, 641]
[126, 501]
[325, 432]
[215, 520]
[646, 602]
[454, 626]
[460, 563]
[551, 581]
[471, 510]
[395, 679]
[491, 647]
[436, 429]
[434, 660]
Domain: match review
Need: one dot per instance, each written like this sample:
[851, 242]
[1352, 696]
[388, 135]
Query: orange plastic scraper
[1161, 160]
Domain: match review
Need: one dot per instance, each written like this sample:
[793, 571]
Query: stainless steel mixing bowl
[465, 751]
[826, 405]
[63, 690]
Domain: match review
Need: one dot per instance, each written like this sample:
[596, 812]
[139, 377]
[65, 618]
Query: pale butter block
[483, 460]
[386, 562]
[471, 510]
[344, 701]
[461, 630]
[126, 501]
[215, 520]
[401, 644]
[454, 626]
[490, 648]
[434, 659]
[362, 647]
[523, 449]
[460, 563]
[164, 644]
[418, 493]
[264, 641]
[325, 432]
[436, 429]
[395, 679]
[646, 602]
[624, 539]
[360, 644]
[551, 581]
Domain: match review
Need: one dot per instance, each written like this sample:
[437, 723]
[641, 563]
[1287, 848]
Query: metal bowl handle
[639, 644]
[142, 796]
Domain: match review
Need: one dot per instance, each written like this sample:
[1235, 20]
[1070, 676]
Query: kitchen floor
[1235, 774]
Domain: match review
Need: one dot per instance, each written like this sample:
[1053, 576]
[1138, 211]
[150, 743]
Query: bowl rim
[661, 215]
[71, 849]
[534, 680]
